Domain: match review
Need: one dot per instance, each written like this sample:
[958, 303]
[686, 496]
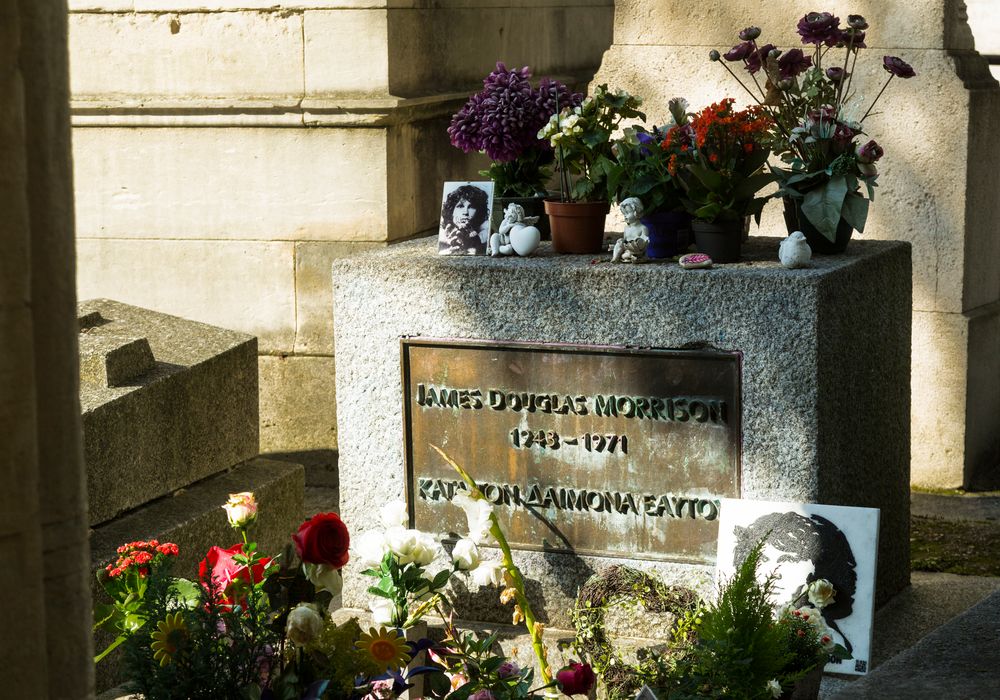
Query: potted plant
[817, 131]
[643, 170]
[581, 138]
[721, 155]
[502, 121]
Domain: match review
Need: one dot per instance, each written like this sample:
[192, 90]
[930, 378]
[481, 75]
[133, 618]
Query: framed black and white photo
[805, 542]
[465, 218]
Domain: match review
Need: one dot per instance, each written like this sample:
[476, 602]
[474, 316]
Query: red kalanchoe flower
[576, 679]
[898, 67]
[323, 539]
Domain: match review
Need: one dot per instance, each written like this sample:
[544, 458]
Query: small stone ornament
[695, 261]
[794, 251]
[517, 233]
[631, 247]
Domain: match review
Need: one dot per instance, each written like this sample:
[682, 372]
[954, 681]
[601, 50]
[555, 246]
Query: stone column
[937, 190]
[43, 534]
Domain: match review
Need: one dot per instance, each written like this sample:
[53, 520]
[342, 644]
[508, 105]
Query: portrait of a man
[465, 218]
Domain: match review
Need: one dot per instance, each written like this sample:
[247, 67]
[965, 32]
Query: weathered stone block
[297, 403]
[193, 415]
[193, 519]
[110, 360]
[825, 371]
[245, 285]
[334, 40]
[191, 55]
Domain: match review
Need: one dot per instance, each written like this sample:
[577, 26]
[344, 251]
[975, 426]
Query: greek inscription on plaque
[597, 450]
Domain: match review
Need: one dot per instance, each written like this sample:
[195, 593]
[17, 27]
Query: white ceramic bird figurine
[794, 251]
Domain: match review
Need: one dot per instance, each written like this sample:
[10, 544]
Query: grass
[966, 547]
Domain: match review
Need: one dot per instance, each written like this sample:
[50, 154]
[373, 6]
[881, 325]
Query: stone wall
[46, 643]
[937, 189]
[227, 151]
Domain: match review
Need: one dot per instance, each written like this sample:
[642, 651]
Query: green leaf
[756, 160]
[748, 187]
[707, 212]
[709, 178]
[110, 648]
[856, 211]
[823, 205]
[441, 579]
[380, 593]
[186, 592]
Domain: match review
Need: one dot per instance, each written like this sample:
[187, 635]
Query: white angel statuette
[794, 251]
[631, 247]
[517, 233]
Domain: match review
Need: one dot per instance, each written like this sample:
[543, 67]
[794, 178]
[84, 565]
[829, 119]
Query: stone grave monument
[605, 409]
[170, 428]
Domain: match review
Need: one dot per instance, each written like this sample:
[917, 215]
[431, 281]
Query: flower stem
[891, 76]
[534, 629]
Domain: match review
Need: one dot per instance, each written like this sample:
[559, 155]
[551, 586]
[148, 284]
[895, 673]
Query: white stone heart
[525, 239]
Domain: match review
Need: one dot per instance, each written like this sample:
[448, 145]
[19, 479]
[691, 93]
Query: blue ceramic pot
[669, 233]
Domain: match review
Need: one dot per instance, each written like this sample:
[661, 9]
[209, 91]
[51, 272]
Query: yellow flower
[170, 634]
[387, 648]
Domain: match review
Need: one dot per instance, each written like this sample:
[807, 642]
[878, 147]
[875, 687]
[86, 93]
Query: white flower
[394, 513]
[569, 122]
[826, 640]
[821, 593]
[465, 555]
[241, 509]
[370, 548]
[477, 512]
[488, 573]
[324, 578]
[382, 611]
[775, 687]
[813, 616]
[412, 545]
[304, 624]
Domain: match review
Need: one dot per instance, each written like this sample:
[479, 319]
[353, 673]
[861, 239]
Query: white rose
[394, 513]
[813, 616]
[425, 548]
[477, 512]
[821, 593]
[465, 556]
[370, 548]
[324, 578]
[304, 624]
[488, 573]
[382, 611]
[775, 687]
[401, 542]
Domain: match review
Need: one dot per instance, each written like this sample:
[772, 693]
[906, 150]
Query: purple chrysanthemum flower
[504, 118]
[756, 59]
[819, 28]
[793, 63]
[898, 67]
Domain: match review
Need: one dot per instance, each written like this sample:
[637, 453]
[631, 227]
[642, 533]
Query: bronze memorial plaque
[598, 450]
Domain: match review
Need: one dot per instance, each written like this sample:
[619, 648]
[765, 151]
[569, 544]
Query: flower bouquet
[720, 156]
[818, 128]
[502, 121]
[581, 137]
[644, 170]
[250, 627]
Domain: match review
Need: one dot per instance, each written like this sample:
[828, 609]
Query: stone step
[148, 379]
[193, 519]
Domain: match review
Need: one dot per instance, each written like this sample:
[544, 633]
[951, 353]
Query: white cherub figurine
[632, 245]
[794, 251]
[515, 225]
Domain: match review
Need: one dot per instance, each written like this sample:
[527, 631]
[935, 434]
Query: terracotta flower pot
[721, 240]
[577, 227]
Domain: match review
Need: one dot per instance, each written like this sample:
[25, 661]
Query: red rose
[576, 679]
[231, 578]
[323, 539]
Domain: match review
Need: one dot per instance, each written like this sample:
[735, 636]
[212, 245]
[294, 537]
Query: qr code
[861, 666]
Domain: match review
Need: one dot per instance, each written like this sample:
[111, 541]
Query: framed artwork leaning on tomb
[464, 228]
[806, 543]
